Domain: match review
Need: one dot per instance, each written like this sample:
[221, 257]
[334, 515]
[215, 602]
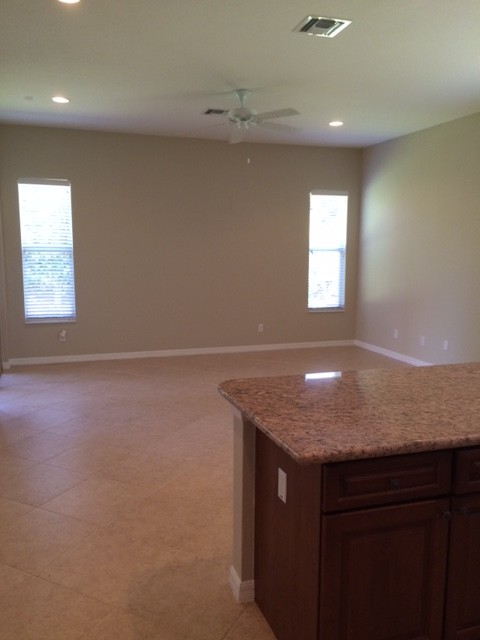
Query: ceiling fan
[242, 118]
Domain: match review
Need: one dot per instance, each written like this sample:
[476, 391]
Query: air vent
[321, 26]
[216, 112]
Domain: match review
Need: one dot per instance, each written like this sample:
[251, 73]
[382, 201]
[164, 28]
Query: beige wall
[179, 244]
[420, 244]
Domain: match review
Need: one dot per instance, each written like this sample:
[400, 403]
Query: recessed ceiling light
[69, 1]
[336, 123]
[60, 99]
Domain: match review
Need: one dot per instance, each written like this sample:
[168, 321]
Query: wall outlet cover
[282, 485]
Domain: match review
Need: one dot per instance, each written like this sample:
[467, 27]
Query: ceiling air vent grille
[321, 26]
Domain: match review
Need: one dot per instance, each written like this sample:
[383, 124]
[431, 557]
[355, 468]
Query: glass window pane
[47, 250]
[327, 245]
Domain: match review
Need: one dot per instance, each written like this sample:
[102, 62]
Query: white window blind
[47, 250]
[327, 247]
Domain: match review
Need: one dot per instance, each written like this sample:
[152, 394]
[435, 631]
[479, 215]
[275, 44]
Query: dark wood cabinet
[384, 548]
[383, 573]
[462, 608]
[462, 617]
[378, 549]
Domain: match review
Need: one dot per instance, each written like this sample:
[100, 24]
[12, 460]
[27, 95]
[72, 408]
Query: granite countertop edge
[364, 414]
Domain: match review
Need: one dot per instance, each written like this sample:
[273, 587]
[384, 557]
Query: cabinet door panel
[383, 573]
[467, 471]
[462, 620]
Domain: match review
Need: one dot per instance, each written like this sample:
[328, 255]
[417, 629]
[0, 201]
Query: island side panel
[287, 542]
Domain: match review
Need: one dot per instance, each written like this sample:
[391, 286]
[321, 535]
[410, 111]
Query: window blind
[327, 249]
[47, 250]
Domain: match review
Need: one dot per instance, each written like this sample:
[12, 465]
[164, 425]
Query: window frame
[341, 250]
[66, 311]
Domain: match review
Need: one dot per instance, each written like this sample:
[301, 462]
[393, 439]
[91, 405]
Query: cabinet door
[383, 573]
[462, 620]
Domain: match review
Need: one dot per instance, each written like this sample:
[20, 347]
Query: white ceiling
[155, 66]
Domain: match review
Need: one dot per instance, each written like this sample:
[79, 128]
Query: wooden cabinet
[383, 568]
[383, 573]
[409, 571]
[462, 612]
[389, 547]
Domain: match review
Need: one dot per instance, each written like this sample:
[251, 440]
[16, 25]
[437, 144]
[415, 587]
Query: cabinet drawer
[361, 483]
[466, 475]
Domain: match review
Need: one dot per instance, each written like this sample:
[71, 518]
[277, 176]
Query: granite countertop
[348, 415]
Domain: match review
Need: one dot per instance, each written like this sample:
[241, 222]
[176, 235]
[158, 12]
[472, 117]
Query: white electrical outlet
[260, 327]
[445, 345]
[422, 341]
[395, 334]
[62, 335]
[282, 485]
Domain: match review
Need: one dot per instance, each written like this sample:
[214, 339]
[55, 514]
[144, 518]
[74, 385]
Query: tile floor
[115, 496]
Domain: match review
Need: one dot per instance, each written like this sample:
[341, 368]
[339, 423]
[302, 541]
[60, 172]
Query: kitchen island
[357, 502]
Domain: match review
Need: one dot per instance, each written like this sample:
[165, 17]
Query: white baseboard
[391, 354]
[242, 591]
[168, 353]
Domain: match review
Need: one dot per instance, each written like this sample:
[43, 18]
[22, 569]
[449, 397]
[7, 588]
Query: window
[327, 246]
[47, 250]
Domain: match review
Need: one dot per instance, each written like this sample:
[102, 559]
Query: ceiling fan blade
[214, 111]
[280, 113]
[276, 126]
[237, 135]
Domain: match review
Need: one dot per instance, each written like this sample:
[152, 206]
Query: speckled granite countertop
[363, 414]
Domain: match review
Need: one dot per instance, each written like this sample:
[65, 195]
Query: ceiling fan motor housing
[243, 117]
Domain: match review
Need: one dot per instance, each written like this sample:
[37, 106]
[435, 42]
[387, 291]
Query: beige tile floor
[115, 496]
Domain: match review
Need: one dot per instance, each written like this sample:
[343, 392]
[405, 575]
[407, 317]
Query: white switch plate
[282, 485]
